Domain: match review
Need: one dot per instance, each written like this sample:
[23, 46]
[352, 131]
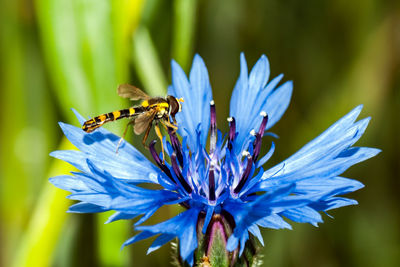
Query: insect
[152, 110]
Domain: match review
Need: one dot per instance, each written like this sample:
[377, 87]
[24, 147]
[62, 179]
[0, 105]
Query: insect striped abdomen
[96, 122]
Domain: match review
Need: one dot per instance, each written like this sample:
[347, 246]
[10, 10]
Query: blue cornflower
[227, 179]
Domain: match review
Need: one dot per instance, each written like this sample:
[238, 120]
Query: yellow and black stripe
[98, 121]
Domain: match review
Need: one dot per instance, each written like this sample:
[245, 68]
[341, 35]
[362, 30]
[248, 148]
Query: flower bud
[211, 250]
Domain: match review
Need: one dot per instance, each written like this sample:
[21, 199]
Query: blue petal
[338, 133]
[259, 74]
[100, 147]
[187, 235]
[252, 95]
[303, 215]
[138, 237]
[273, 221]
[80, 118]
[83, 207]
[245, 214]
[240, 87]
[333, 203]
[100, 189]
[326, 157]
[197, 96]
[256, 232]
[323, 184]
[277, 103]
[267, 156]
[69, 183]
[210, 212]
[148, 214]
[159, 242]
[120, 216]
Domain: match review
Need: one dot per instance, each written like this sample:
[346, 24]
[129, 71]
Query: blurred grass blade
[81, 53]
[86, 45]
[25, 135]
[38, 244]
[147, 63]
[184, 22]
[126, 15]
[365, 82]
[58, 25]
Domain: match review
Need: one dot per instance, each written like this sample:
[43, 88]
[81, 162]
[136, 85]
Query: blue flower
[228, 177]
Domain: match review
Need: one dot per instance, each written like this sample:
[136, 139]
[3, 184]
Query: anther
[245, 153]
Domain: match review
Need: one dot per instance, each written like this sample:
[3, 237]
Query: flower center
[211, 174]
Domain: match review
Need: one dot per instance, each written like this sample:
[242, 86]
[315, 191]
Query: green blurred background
[59, 54]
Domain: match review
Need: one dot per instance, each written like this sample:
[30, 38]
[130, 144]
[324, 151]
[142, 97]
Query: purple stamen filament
[157, 159]
[165, 169]
[178, 174]
[176, 145]
[177, 154]
[213, 133]
[211, 181]
[256, 150]
[245, 174]
[232, 132]
[259, 134]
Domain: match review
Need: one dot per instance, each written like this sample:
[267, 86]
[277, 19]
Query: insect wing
[143, 121]
[131, 92]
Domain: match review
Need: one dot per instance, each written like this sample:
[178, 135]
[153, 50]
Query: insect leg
[159, 135]
[146, 134]
[170, 125]
[123, 135]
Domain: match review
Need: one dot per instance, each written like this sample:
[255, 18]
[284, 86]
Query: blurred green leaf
[338, 53]
[38, 243]
[185, 16]
[147, 63]
[86, 47]
[25, 138]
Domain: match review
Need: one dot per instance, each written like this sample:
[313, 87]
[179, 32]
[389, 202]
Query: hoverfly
[151, 111]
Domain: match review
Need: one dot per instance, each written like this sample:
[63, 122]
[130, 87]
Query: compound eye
[174, 105]
[180, 107]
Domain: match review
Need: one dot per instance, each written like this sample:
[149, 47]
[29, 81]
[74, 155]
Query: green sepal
[250, 256]
[211, 250]
[216, 248]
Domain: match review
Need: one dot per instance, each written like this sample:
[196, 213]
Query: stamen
[178, 174]
[213, 132]
[232, 131]
[263, 123]
[259, 135]
[176, 145]
[245, 174]
[157, 159]
[211, 183]
[245, 153]
[256, 147]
